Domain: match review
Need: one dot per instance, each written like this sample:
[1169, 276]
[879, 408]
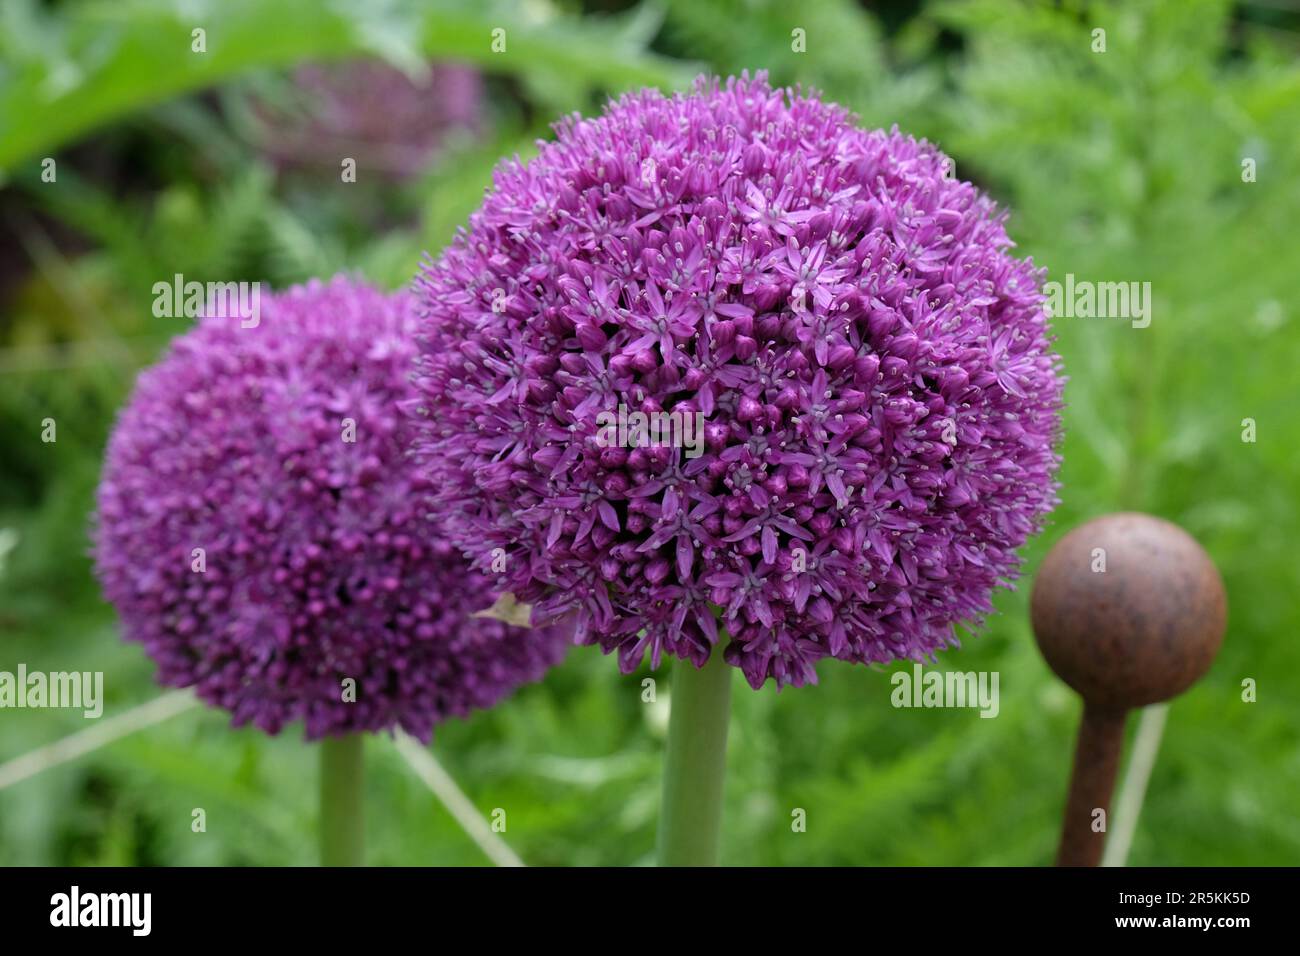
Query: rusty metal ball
[1139, 632]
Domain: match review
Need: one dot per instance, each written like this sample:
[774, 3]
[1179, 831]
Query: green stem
[1133, 789]
[695, 763]
[342, 824]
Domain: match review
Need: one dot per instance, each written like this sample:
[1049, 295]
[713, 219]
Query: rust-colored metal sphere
[1141, 631]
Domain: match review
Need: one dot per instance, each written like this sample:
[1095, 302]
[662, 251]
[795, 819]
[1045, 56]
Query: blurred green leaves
[61, 76]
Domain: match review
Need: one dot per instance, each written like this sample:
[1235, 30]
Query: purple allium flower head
[872, 367]
[371, 112]
[279, 451]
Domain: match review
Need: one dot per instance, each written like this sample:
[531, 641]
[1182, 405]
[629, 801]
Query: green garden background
[1122, 164]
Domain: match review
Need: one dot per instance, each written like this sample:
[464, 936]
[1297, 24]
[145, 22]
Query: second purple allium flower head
[868, 365]
[260, 528]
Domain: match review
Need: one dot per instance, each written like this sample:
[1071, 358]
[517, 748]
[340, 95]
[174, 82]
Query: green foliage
[1117, 166]
[833, 46]
[96, 61]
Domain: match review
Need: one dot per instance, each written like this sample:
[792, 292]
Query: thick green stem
[342, 824]
[695, 763]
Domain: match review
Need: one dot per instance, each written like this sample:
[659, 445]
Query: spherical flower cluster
[260, 528]
[372, 112]
[870, 365]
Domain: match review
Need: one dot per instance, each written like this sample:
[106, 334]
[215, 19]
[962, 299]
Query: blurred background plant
[223, 165]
